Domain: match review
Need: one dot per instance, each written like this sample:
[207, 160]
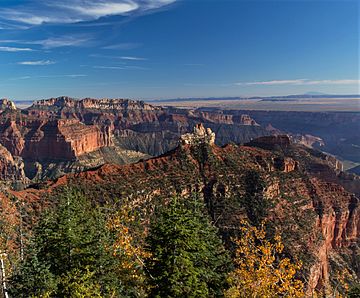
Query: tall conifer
[188, 258]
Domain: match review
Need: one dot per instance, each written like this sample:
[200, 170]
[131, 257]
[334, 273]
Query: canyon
[60, 135]
[334, 132]
[245, 164]
[295, 189]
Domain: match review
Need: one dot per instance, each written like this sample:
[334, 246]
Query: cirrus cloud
[15, 49]
[74, 11]
[132, 58]
[37, 63]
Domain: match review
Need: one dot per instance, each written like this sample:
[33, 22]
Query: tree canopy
[188, 258]
[68, 255]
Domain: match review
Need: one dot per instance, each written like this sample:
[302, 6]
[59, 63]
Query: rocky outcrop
[6, 105]
[339, 223]
[200, 135]
[11, 169]
[334, 162]
[247, 120]
[285, 164]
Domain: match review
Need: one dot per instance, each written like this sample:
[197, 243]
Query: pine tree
[188, 258]
[68, 254]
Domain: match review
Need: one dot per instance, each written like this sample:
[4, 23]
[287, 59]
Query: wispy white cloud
[19, 78]
[72, 76]
[62, 41]
[125, 67]
[35, 12]
[48, 43]
[9, 41]
[15, 49]
[299, 82]
[333, 82]
[113, 57]
[123, 46]
[132, 58]
[37, 63]
[98, 9]
[30, 18]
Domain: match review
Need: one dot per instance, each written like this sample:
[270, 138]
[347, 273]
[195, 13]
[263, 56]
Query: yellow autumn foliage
[260, 269]
[128, 246]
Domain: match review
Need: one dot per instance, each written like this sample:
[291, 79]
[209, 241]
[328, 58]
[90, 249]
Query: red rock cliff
[55, 139]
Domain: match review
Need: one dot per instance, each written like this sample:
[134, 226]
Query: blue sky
[152, 49]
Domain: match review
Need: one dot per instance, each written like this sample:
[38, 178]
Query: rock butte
[199, 135]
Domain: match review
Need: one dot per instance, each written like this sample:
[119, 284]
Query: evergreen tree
[354, 291]
[68, 255]
[188, 258]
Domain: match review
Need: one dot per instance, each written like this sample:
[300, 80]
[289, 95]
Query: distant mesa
[91, 103]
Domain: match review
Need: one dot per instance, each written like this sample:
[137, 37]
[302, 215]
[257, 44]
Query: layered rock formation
[61, 135]
[61, 131]
[35, 134]
[63, 140]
